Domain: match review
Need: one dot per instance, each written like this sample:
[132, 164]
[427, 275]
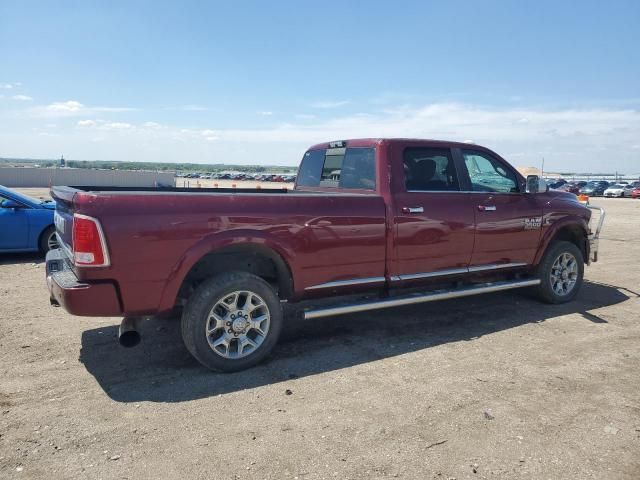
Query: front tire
[232, 321]
[561, 273]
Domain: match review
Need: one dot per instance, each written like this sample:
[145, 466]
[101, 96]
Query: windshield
[22, 198]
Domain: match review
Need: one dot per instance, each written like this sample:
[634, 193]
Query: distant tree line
[154, 166]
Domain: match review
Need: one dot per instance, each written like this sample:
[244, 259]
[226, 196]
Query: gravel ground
[497, 386]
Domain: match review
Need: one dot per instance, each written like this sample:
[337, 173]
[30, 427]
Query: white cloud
[86, 123]
[70, 106]
[194, 108]
[587, 139]
[265, 113]
[210, 135]
[117, 126]
[22, 98]
[325, 104]
[6, 86]
[572, 138]
[305, 116]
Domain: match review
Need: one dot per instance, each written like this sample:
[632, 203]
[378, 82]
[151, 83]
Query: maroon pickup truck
[371, 223]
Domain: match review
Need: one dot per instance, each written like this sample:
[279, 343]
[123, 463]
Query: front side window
[7, 199]
[339, 168]
[429, 169]
[487, 174]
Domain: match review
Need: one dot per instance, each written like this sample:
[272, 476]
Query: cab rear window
[338, 168]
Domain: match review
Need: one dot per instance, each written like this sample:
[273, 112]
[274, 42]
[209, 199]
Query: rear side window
[339, 168]
[430, 169]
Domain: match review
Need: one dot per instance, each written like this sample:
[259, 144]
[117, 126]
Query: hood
[562, 195]
[48, 205]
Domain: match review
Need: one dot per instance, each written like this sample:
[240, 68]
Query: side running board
[419, 298]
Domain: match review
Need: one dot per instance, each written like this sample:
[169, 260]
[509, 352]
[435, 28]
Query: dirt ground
[491, 387]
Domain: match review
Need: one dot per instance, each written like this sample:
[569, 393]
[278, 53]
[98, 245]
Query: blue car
[26, 224]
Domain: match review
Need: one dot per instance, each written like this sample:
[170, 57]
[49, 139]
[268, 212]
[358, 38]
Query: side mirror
[10, 204]
[535, 184]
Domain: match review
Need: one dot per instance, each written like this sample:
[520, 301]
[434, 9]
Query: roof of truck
[372, 142]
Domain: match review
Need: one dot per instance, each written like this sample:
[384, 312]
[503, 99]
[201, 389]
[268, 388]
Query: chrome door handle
[412, 210]
[487, 208]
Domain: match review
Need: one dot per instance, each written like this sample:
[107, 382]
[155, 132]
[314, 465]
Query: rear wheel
[232, 321]
[48, 240]
[561, 272]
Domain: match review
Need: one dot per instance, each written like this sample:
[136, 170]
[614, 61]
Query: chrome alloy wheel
[238, 324]
[52, 241]
[564, 274]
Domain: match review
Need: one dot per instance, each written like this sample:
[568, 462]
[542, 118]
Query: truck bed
[154, 234]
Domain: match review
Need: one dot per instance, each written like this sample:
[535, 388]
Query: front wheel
[560, 272]
[232, 321]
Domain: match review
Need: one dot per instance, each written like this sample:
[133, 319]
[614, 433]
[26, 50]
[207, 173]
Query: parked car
[595, 188]
[371, 223]
[635, 193]
[557, 184]
[26, 224]
[572, 187]
[630, 187]
[616, 190]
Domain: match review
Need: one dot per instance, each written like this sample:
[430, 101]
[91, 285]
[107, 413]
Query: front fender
[553, 223]
[214, 242]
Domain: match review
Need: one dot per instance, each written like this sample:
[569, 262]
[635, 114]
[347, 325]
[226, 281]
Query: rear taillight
[89, 247]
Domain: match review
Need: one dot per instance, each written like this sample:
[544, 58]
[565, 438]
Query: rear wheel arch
[43, 243]
[257, 259]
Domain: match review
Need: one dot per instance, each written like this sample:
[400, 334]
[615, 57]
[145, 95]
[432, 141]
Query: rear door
[508, 220]
[434, 221]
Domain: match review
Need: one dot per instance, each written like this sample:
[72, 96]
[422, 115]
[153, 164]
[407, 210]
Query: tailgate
[63, 216]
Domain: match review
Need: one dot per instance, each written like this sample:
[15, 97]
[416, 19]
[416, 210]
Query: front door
[508, 220]
[434, 221]
[14, 227]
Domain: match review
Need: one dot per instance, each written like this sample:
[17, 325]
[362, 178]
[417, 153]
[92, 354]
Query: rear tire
[232, 321]
[48, 240]
[560, 272]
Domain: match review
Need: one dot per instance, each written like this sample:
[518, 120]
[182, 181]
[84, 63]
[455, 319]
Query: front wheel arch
[570, 232]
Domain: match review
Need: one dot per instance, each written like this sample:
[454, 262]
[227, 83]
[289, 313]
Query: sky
[255, 82]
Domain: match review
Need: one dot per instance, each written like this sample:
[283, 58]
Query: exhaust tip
[128, 334]
[129, 339]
